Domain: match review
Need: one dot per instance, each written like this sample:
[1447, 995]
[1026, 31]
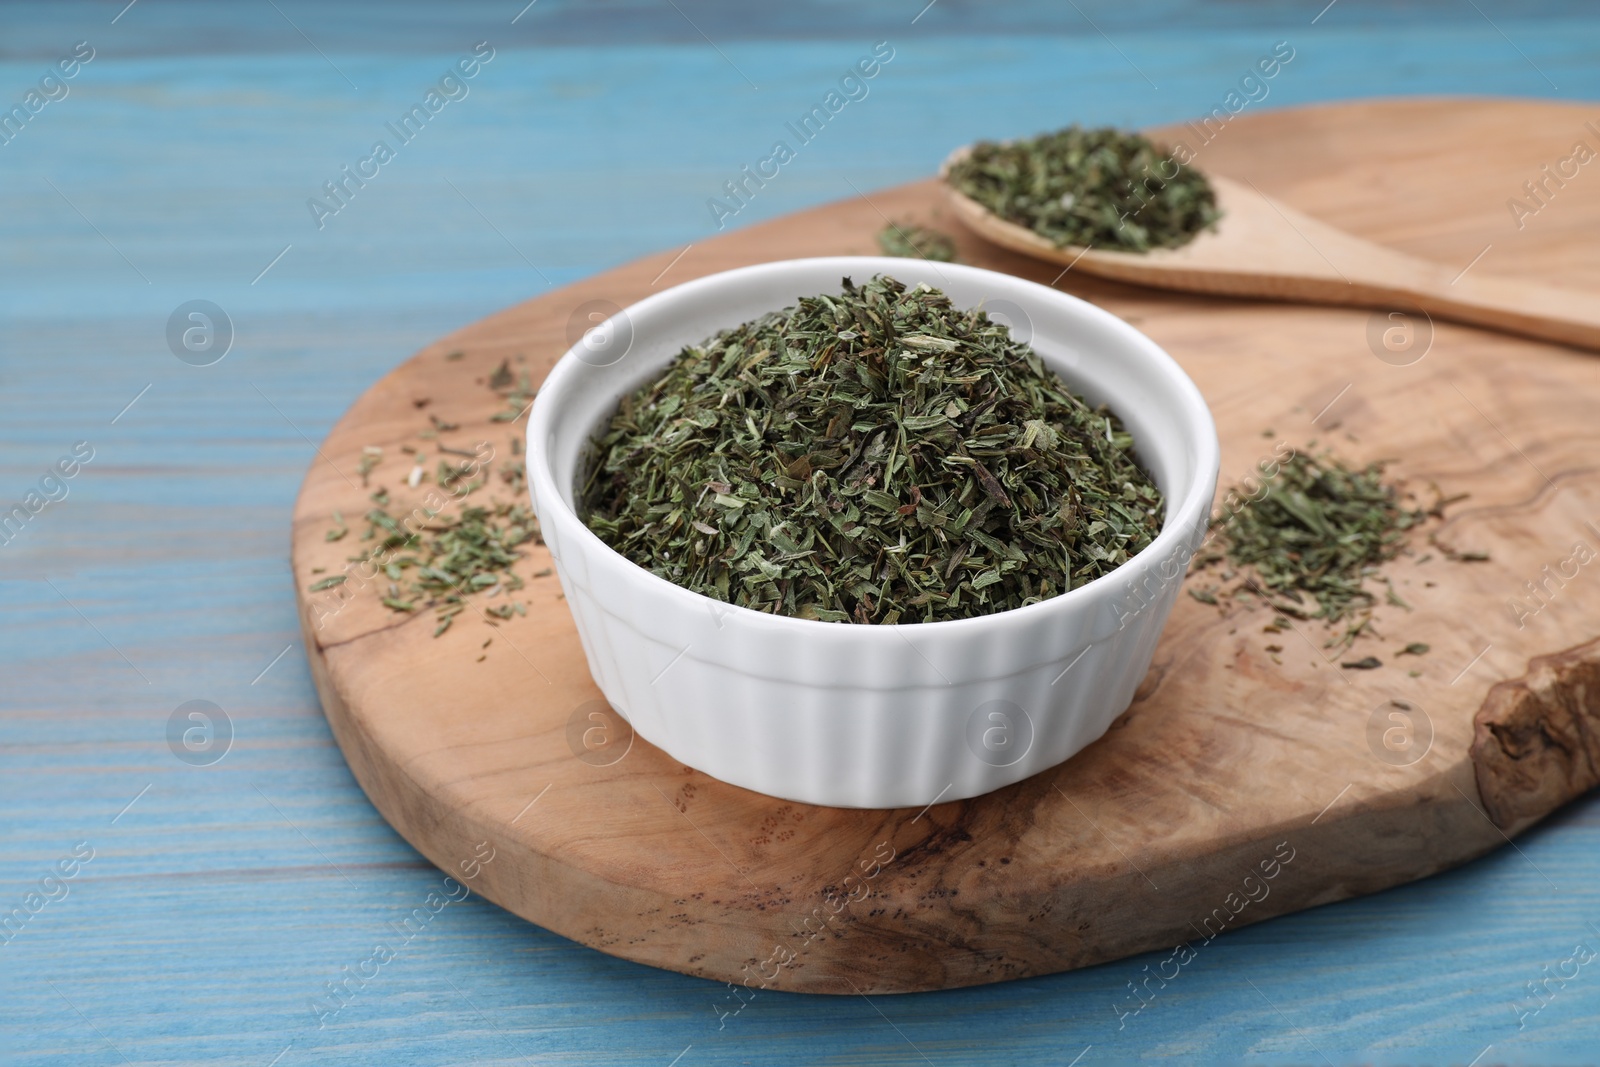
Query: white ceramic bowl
[870, 716]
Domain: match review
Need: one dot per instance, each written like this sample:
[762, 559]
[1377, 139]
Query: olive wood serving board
[1252, 776]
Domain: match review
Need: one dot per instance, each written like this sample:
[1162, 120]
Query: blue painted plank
[223, 900]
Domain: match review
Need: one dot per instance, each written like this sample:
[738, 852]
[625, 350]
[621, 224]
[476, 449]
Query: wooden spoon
[1262, 248]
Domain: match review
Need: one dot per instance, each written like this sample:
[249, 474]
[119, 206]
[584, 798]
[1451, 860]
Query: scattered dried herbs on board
[1311, 542]
[517, 389]
[911, 241]
[442, 561]
[1105, 188]
[874, 456]
[446, 554]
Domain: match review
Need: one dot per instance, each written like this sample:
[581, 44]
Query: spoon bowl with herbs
[831, 531]
[1117, 205]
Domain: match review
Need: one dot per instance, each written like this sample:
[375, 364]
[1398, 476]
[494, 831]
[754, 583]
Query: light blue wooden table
[176, 164]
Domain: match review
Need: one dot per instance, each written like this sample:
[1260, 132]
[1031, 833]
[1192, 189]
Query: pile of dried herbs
[910, 241]
[875, 456]
[451, 557]
[1310, 540]
[1104, 188]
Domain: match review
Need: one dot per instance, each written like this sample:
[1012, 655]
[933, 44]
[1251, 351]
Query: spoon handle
[1514, 306]
[1278, 252]
[1287, 255]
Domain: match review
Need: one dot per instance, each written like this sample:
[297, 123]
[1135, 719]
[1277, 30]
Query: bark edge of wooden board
[1536, 740]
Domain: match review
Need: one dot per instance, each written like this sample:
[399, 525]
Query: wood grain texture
[1261, 248]
[1231, 755]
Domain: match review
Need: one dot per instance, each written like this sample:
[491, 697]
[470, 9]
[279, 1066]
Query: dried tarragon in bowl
[1102, 188]
[875, 456]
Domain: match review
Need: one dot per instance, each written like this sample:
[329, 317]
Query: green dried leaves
[440, 561]
[517, 389]
[910, 241]
[875, 456]
[1314, 535]
[1104, 188]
